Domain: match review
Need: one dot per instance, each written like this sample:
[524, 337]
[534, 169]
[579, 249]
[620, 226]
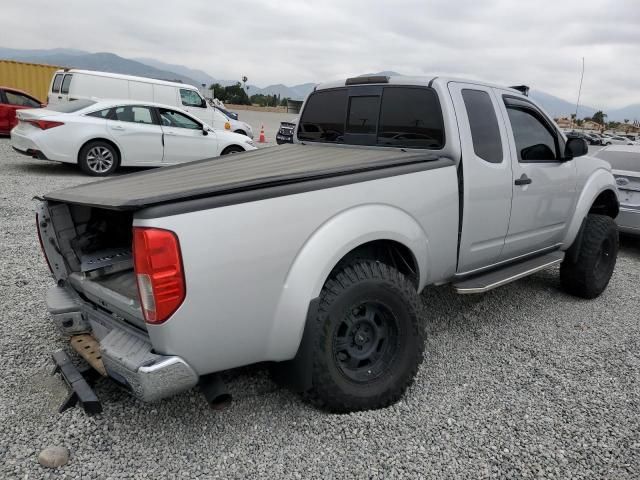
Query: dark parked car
[285, 132]
[599, 139]
[232, 115]
[592, 139]
[589, 138]
[10, 101]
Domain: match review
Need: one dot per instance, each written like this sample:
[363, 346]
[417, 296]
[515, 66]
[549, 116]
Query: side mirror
[576, 147]
[205, 131]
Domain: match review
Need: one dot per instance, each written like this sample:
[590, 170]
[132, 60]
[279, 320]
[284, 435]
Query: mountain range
[152, 68]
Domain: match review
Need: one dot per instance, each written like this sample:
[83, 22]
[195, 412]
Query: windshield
[71, 107]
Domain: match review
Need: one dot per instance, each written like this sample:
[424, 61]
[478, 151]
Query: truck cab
[519, 183]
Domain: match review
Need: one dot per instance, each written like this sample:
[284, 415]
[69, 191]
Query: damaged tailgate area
[96, 303]
[96, 247]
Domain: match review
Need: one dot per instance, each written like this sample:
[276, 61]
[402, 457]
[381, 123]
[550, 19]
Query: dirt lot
[522, 382]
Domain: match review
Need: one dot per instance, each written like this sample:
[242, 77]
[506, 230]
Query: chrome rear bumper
[127, 353]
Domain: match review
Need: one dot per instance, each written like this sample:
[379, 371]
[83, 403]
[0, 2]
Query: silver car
[625, 161]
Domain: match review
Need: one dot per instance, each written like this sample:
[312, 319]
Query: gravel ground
[521, 382]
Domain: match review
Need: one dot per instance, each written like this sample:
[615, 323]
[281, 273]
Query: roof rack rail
[369, 79]
[522, 89]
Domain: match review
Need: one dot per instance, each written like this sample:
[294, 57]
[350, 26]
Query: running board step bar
[511, 273]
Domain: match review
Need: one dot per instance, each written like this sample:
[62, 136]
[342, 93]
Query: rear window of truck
[397, 116]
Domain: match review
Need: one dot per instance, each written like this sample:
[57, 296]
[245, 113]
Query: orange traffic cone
[261, 139]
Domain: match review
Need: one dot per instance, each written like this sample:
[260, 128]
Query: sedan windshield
[71, 107]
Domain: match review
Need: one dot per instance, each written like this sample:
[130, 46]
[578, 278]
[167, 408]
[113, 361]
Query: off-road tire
[85, 163]
[595, 260]
[357, 287]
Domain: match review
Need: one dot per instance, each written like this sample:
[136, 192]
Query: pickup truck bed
[286, 165]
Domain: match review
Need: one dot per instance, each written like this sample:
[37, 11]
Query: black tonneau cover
[262, 168]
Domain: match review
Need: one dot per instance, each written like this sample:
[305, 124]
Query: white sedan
[616, 140]
[101, 136]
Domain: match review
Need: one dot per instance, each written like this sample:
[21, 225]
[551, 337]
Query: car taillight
[44, 124]
[41, 242]
[159, 274]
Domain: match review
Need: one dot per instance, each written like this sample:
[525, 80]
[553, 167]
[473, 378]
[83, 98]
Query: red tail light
[44, 124]
[159, 274]
[41, 243]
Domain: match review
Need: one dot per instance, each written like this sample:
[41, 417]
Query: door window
[134, 114]
[410, 117]
[485, 132]
[171, 118]
[57, 81]
[15, 98]
[64, 89]
[534, 140]
[191, 98]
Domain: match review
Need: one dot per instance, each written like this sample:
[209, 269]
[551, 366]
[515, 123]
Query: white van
[72, 84]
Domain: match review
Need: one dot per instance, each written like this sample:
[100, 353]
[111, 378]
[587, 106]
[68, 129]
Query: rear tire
[98, 159]
[232, 149]
[589, 275]
[370, 338]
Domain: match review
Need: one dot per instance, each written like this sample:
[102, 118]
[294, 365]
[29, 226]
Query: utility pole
[580, 88]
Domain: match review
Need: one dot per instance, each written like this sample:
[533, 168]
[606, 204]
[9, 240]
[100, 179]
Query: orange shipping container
[32, 78]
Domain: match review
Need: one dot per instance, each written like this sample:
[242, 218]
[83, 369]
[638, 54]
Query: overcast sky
[538, 43]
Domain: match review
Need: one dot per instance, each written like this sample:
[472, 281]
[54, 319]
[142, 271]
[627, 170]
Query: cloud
[535, 43]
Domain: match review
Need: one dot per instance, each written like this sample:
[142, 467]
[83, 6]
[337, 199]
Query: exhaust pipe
[215, 391]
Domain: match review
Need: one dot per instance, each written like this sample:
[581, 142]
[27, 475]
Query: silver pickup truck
[312, 255]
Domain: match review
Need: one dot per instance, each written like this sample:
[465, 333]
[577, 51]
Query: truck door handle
[118, 128]
[523, 180]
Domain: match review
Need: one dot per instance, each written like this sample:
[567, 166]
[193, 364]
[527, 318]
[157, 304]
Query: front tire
[595, 260]
[370, 338]
[98, 159]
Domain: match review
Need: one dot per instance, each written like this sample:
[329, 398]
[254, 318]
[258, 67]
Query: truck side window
[485, 132]
[410, 117]
[534, 140]
[57, 81]
[323, 117]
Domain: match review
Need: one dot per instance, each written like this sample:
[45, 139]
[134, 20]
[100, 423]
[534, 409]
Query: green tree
[599, 117]
[219, 92]
[237, 95]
